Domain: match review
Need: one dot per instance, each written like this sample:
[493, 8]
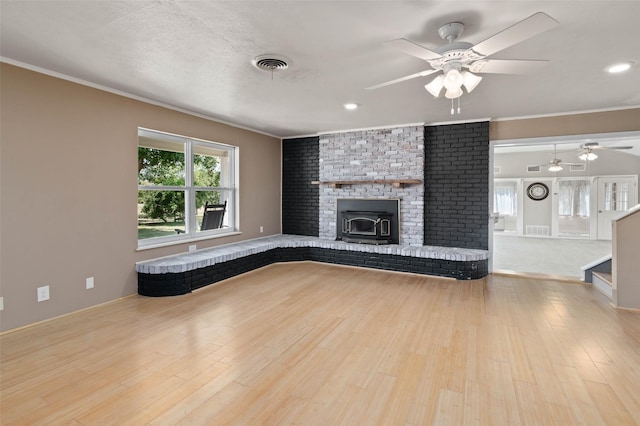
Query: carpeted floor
[554, 256]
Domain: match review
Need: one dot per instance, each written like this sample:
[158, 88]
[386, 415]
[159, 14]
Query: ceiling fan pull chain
[453, 110]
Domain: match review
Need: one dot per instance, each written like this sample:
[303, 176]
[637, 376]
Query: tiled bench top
[206, 257]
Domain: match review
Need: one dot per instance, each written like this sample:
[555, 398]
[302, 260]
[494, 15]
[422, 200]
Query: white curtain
[574, 198]
[505, 200]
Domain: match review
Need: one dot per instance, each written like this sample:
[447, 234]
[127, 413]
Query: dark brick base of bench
[173, 284]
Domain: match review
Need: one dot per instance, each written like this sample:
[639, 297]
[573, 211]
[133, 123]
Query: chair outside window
[213, 216]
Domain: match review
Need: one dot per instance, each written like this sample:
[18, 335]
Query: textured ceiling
[196, 56]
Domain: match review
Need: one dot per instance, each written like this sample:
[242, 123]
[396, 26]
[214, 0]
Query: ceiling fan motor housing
[451, 31]
[455, 52]
[452, 53]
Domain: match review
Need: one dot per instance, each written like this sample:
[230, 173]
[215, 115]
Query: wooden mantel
[397, 183]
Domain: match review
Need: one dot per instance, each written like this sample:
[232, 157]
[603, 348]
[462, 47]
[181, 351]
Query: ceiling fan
[587, 151]
[556, 164]
[459, 60]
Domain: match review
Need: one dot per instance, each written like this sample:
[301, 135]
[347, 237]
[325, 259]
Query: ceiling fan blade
[506, 66]
[596, 145]
[401, 79]
[413, 49]
[527, 28]
[559, 162]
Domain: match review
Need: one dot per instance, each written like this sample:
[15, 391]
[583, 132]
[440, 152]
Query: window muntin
[177, 176]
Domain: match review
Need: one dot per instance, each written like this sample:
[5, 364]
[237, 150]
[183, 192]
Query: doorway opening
[555, 221]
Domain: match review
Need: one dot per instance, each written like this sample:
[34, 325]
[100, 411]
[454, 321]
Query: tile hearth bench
[182, 273]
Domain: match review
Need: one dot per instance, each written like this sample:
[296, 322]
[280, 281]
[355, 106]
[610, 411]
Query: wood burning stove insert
[368, 221]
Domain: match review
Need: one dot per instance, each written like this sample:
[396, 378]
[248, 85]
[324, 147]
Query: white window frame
[230, 189]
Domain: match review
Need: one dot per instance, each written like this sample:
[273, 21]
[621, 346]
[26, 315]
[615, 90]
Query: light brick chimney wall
[396, 153]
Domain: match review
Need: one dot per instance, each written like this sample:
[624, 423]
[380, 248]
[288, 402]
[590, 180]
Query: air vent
[577, 167]
[537, 230]
[533, 169]
[270, 63]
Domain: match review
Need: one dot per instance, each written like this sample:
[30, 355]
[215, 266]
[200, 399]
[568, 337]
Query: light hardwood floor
[314, 344]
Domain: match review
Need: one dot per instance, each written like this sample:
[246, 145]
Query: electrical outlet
[89, 283]
[43, 293]
[1, 303]
[261, 229]
[193, 247]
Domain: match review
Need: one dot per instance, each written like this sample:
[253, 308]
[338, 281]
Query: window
[177, 178]
[616, 196]
[573, 198]
[573, 208]
[505, 199]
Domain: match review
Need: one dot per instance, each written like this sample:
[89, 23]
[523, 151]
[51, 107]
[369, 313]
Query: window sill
[185, 241]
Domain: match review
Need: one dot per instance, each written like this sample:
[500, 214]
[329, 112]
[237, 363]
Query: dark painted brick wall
[300, 199]
[456, 180]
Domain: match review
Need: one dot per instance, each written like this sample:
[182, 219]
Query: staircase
[598, 273]
[603, 282]
[617, 276]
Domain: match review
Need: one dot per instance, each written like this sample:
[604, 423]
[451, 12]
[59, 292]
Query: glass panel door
[615, 196]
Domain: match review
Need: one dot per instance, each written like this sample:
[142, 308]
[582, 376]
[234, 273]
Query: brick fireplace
[449, 207]
[379, 155]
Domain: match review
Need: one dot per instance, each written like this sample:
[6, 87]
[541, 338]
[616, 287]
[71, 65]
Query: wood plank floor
[314, 344]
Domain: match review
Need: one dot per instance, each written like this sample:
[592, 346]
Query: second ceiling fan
[459, 60]
[587, 151]
[556, 164]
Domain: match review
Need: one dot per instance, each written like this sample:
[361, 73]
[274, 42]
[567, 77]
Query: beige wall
[626, 120]
[69, 191]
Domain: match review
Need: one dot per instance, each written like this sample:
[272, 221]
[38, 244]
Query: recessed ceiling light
[350, 106]
[616, 68]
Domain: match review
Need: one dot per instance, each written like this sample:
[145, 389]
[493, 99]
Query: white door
[615, 196]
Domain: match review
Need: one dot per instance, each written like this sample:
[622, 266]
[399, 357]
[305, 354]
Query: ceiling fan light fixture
[453, 80]
[555, 168]
[435, 87]
[470, 80]
[588, 156]
[453, 93]
[618, 68]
